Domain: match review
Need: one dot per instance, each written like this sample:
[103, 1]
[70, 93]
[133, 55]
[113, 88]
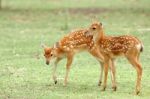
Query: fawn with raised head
[68, 46]
[113, 46]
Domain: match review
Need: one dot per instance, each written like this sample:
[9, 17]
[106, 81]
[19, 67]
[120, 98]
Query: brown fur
[111, 47]
[68, 46]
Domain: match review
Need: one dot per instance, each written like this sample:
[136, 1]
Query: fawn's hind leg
[96, 53]
[134, 60]
[113, 74]
[68, 65]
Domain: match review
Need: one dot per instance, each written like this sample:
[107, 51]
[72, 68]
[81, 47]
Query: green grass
[24, 24]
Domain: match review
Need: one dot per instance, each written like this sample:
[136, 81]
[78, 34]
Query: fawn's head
[48, 54]
[95, 28]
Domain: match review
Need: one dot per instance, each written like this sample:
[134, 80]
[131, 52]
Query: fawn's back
[76, 41]
[119, 44]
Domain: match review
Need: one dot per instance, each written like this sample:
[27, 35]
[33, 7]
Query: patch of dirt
[84, 11]
[88, 10]
[73, 11]
[19, 19]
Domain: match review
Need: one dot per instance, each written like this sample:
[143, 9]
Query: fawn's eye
[51, 54]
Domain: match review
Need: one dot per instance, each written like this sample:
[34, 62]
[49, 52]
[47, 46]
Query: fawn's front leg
[54, 70]
[69, 62]
[101, 74]
[106, 65]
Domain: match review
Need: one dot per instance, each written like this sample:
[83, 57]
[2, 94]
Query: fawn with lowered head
[68, 46]
[113, 46]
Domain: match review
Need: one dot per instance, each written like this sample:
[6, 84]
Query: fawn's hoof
[137, 92]
[99, 84]
[104, 88]
[55, 82]
[114, 88]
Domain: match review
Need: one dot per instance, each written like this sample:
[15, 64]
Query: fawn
[112, 46]
[68, 46]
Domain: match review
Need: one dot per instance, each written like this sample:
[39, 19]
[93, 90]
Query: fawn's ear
[101, 23]
[56, 45]
[43, 45]
[94, 19]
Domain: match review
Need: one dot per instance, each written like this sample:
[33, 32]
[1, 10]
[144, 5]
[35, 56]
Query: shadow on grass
[79, 88]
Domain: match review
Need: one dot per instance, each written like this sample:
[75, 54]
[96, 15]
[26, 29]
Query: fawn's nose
[47, 62]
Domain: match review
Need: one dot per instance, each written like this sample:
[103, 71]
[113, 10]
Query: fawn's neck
[99, 36]
[55, 51]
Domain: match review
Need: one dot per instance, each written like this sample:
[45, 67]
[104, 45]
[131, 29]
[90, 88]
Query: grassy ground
[25, 23]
